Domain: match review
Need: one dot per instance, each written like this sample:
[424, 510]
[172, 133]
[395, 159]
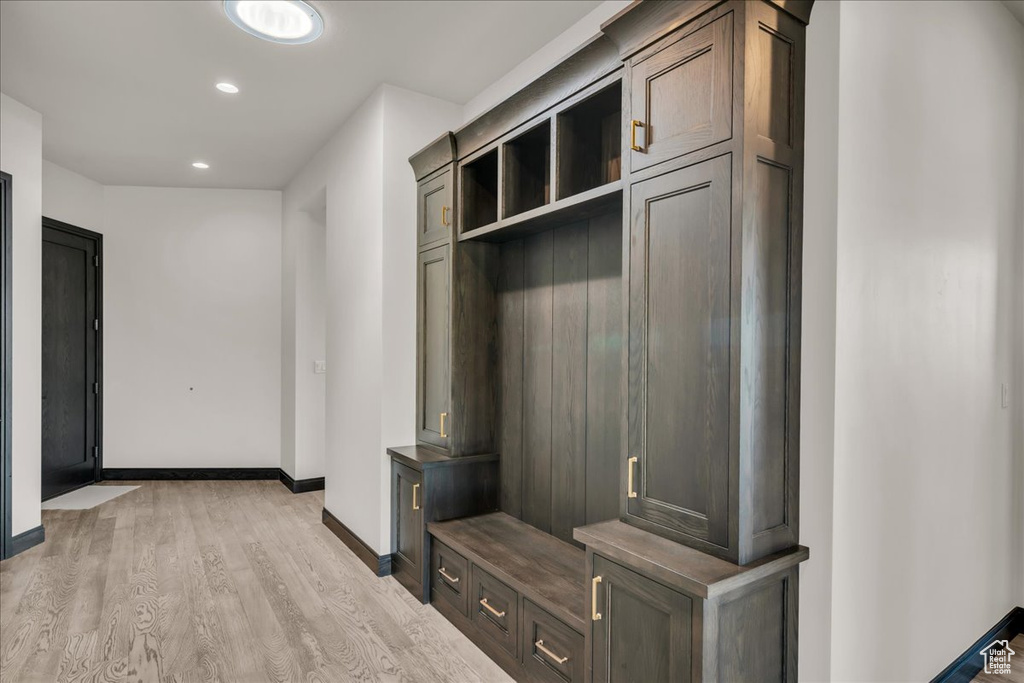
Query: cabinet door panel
[432, 382]
[679, 349]
[434, 209]
[682, 95]
[645, 631]
[408, 506]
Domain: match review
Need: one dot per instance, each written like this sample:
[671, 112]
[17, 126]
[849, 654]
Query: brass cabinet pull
[415, 505]
[444, 417]
[447, 577]
[483, 603]
[444, 215]
[594, 614]
[540, 646]
[630, 490]
[633, 125]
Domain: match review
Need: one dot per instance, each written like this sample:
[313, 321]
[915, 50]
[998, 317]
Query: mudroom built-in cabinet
[604, 484]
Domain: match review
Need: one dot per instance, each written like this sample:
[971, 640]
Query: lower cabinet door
[644, 632]
[407, 492]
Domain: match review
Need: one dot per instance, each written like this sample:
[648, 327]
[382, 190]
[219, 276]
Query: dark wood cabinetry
[652, 625]
[433, 386]
[427, 486]
[434, 208]
[609, 298]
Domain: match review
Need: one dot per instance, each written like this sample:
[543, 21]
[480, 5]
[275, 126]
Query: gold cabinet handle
[444, 215]
[594, 614]
[444, 418]
[540, 646]
[633, 125]
[415, 490]
[447, 577]
[630, 490]
[483, 603]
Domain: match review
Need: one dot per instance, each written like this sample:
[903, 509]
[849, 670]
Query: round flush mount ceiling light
[290, 22]
[229, 88]
[200, 164]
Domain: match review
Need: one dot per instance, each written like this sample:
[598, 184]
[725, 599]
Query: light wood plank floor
[1016, 674]
[214, 581]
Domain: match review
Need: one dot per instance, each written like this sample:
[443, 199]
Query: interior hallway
[203, 581]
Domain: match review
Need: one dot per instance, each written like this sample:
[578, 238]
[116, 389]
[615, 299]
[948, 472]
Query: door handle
[633, 125]
[444, 417]
[594, 614]
[415, 490]
[444, 215]
[630, 489]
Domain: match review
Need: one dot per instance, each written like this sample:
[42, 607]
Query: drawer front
[449, 576]
[494, 610]
[551, 650]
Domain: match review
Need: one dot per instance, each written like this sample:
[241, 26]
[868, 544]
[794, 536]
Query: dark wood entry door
[70, 369]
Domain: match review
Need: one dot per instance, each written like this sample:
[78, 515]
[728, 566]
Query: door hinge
[96, 260]
[96, 324]
[95, 387]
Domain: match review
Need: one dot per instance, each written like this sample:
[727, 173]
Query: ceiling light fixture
[200, 164]
[289, 22]
[229, 88]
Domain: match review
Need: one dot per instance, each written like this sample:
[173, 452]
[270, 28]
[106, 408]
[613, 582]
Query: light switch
[319, 367]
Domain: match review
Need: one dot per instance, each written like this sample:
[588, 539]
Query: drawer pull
[483, 603]
[594, 614]
[540, 646]
[415, 490]
[630, 490]
[447, 577]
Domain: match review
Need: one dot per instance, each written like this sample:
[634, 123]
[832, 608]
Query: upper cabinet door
[682, 96]
[434, 209]
[433, 390]
[680, 341]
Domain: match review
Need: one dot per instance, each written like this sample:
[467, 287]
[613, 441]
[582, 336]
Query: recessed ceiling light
[290, 22]
[200, 164]
[229, 88]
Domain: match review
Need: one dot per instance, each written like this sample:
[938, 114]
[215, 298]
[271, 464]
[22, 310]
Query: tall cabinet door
[432, 356]
[644, 633]
[680, 336]
[434, 209]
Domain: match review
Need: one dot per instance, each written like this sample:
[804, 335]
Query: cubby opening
[480, 191]
[528, 170]
[590, 142]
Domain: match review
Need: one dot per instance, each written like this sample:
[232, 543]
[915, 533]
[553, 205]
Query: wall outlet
[319, 367]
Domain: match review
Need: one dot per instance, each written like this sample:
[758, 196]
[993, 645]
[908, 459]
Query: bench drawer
[449, 576]
[552, 651]
[494, 610]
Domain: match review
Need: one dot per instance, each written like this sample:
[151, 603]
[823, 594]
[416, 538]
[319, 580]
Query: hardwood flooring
[214, 581]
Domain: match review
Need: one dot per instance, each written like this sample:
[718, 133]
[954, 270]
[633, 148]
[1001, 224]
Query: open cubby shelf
[527, 162]
[589, 142]
[480, 191]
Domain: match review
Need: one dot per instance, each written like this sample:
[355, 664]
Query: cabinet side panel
[755, 637]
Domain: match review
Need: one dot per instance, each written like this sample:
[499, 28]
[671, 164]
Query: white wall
[21, 155]
[818, 344]
[543, 59]
[926, 526]
[72, 198]
[192, 313]
[370, 307]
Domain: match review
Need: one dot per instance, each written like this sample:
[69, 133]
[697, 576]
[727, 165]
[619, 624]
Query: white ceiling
[126, 89]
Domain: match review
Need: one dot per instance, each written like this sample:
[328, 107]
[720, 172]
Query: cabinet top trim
[678, 565]
[424, 457]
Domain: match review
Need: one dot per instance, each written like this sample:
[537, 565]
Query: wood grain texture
[207, 581]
